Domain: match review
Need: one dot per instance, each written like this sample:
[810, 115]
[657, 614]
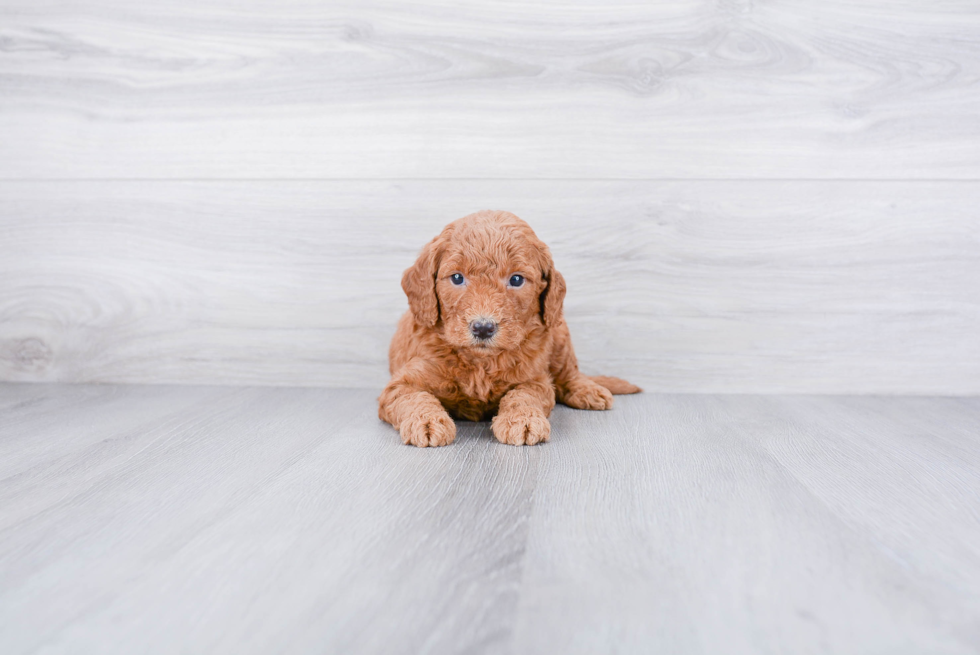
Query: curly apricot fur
[439, 369]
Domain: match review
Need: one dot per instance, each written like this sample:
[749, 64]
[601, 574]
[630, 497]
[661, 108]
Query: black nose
[483, 328]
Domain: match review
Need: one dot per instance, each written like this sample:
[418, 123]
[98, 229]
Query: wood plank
[684, 286]
[746, 524]
[256, 520]
[259, 89]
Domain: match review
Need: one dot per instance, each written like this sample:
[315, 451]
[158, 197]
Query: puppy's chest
[477, 392]
[480, 384]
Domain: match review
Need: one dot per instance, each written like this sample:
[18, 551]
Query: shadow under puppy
[484, 336]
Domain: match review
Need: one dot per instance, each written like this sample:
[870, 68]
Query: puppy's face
[487, 301]
[486, 282]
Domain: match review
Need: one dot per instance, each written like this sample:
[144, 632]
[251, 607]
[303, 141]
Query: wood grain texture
[166, 519]
[681, 286]
[757, 524]
[269, 520]
[298, 89]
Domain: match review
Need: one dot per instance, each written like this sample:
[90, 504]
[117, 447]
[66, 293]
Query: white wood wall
[745, 196]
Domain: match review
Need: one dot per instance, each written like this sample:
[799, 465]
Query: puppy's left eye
[516, 280]
[457, 279]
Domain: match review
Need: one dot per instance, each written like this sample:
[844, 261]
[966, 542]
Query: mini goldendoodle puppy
[485, 335]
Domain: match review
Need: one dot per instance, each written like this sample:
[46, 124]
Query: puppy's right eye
[457, 278]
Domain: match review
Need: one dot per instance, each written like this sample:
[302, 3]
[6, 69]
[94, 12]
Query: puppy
[484, 337]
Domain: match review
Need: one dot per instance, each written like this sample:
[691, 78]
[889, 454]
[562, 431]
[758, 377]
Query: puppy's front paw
[589, 395]
[428, 429]
[521, 428]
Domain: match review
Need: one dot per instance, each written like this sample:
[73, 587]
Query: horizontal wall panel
[613, 90]
[765, 286]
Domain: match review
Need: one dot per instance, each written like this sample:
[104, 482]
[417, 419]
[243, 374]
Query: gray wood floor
[243, 520]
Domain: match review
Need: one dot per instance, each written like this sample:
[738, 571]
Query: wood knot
[31, 354]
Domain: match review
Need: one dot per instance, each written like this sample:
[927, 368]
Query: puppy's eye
[516, 280]
[457, 278]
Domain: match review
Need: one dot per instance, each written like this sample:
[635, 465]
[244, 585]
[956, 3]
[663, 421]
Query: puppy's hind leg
[575, 389]
[580, 392]
[617, 386]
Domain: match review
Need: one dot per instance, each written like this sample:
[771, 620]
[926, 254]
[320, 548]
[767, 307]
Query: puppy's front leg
[417, 415]
[522, 418]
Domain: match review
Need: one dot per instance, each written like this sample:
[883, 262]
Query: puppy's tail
[615, 385]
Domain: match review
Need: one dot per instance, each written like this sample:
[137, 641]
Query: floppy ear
[552, 297]
[419, 284]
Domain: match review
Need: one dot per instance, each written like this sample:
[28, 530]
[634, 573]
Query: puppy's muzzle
[483, 328]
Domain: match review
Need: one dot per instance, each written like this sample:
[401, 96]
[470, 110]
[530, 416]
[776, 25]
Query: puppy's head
[486, 281]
